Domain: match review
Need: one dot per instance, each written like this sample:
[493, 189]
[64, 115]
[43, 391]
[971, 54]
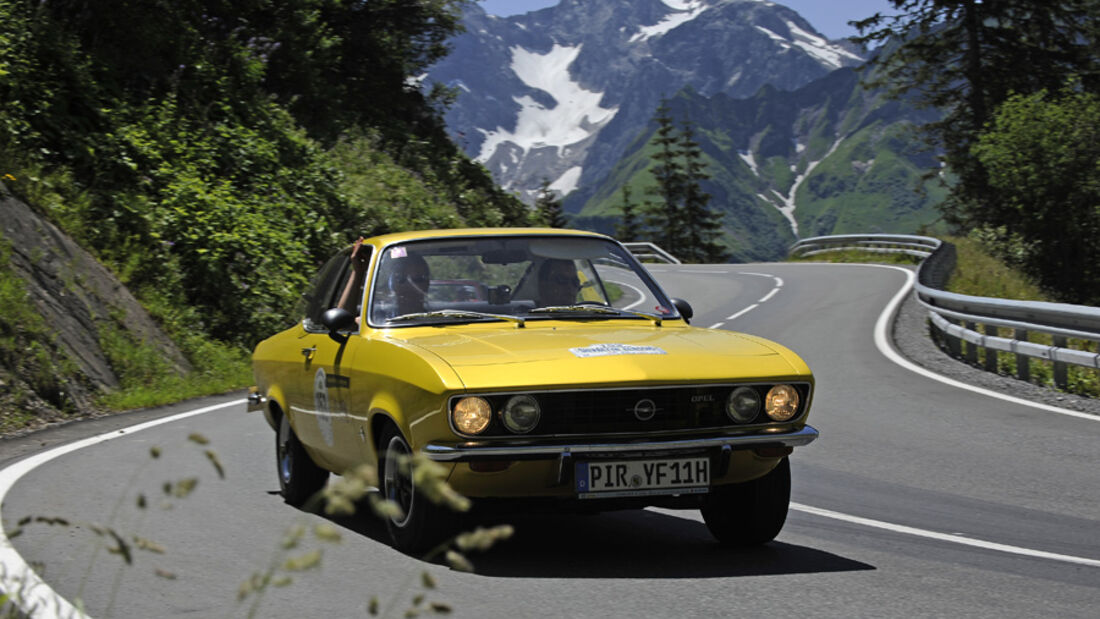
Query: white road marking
[641, 295]
[702, 271]
[944, 537]
[37, 599]
[882, 341]
[771, 294]
[744, 311]
[716, 325]
[41, 601]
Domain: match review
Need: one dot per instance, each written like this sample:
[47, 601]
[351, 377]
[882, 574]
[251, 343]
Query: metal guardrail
[955, 317]
[645, 251]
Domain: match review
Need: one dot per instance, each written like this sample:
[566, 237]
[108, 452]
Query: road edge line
[16, 576]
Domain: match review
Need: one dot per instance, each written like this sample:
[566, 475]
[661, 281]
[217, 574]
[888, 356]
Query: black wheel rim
[285, 459]
[398, 480]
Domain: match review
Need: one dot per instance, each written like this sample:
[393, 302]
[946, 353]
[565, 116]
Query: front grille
[612, 411]
[598, 412]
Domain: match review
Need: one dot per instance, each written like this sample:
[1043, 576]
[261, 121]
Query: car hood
[564, 354]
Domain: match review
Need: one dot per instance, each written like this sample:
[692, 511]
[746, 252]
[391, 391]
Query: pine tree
[629, 229]
[548, 207]
[702, 226]
[664, 214]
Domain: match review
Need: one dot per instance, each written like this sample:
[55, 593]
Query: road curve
[920, 499]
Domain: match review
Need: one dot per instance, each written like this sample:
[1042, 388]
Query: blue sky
[829, 17]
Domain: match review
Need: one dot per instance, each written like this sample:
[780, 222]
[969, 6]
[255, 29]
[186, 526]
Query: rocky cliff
[52, 367]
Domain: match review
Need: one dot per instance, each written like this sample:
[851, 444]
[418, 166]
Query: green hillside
[848, 155]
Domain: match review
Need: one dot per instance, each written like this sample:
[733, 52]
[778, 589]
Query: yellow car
[545, 369]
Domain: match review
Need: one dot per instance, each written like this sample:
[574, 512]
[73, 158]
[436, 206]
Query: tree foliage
[680, 217]
[629, 228]
[214, 152]
[966, 57]
[1043, 156]
[663, 214]
[979, 62]
[548, 208]
[702, 227]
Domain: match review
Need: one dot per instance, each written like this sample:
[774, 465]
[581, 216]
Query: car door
[321, 393]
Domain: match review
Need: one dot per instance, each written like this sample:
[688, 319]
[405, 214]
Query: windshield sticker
[398, 252]
[608, 350]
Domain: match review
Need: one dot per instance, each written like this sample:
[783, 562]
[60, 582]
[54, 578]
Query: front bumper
[468, 452]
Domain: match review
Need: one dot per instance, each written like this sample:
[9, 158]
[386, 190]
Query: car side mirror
[684, 308]
[338, 319]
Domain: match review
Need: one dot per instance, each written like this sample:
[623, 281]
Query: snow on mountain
[574, 115]
[685, 12]
[559, 93]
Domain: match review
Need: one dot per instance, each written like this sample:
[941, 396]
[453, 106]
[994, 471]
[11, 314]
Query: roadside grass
[148, 379]
[979, 273]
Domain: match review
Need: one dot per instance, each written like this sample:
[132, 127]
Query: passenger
[352, 297]
[558, 283]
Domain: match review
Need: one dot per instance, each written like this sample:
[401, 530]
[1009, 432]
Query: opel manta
[545, 369]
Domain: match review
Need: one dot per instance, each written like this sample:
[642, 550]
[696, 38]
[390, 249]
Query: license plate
[618, 478]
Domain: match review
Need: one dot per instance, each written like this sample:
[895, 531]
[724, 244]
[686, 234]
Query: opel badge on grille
[645, 409]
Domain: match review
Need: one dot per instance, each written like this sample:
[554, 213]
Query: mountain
[795, 146]
[846, 156]
[558, 94]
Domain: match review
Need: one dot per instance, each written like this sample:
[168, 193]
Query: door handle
[308, 352]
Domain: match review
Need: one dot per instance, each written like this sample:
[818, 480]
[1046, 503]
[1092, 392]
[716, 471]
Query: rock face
[77, 297]
[558, 94]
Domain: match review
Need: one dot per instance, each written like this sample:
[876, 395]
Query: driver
[408, 282]
[558, 282]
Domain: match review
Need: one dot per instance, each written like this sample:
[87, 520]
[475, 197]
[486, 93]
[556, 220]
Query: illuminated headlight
[781, 402]
[472, 415]
[521, 414]
[743, 404]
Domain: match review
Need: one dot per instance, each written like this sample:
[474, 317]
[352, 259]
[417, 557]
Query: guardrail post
[991, 353]
[954, 344]
[1023, 365]
[1061, 376]
[971, 347]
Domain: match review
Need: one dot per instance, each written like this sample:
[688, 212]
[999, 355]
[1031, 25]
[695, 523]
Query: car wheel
[299, 477]
[421, 522]
[751, 513]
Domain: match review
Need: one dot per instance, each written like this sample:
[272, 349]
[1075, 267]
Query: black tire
[751, 513]
[299, 477]
[423, 523]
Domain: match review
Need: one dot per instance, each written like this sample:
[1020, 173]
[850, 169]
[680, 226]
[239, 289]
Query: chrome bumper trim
[474, 451]
[256, 401]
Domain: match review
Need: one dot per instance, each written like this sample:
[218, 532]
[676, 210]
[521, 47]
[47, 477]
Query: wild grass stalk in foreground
[345, 496]
[128, 546]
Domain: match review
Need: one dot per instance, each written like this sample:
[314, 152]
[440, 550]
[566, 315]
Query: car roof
[398, 237]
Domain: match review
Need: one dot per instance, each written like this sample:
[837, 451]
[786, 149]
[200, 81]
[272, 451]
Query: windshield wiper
[457, 314]
[593, 309]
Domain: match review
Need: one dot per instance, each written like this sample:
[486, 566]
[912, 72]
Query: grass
[148, 380]
[979, 273]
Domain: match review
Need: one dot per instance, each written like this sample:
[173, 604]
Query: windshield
[512, 278]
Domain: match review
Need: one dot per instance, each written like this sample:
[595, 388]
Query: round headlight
[743, 404]
[781, 402]
[472, 415]
[521, 414]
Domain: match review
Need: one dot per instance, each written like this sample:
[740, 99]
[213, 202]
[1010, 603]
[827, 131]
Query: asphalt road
[918, 500]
